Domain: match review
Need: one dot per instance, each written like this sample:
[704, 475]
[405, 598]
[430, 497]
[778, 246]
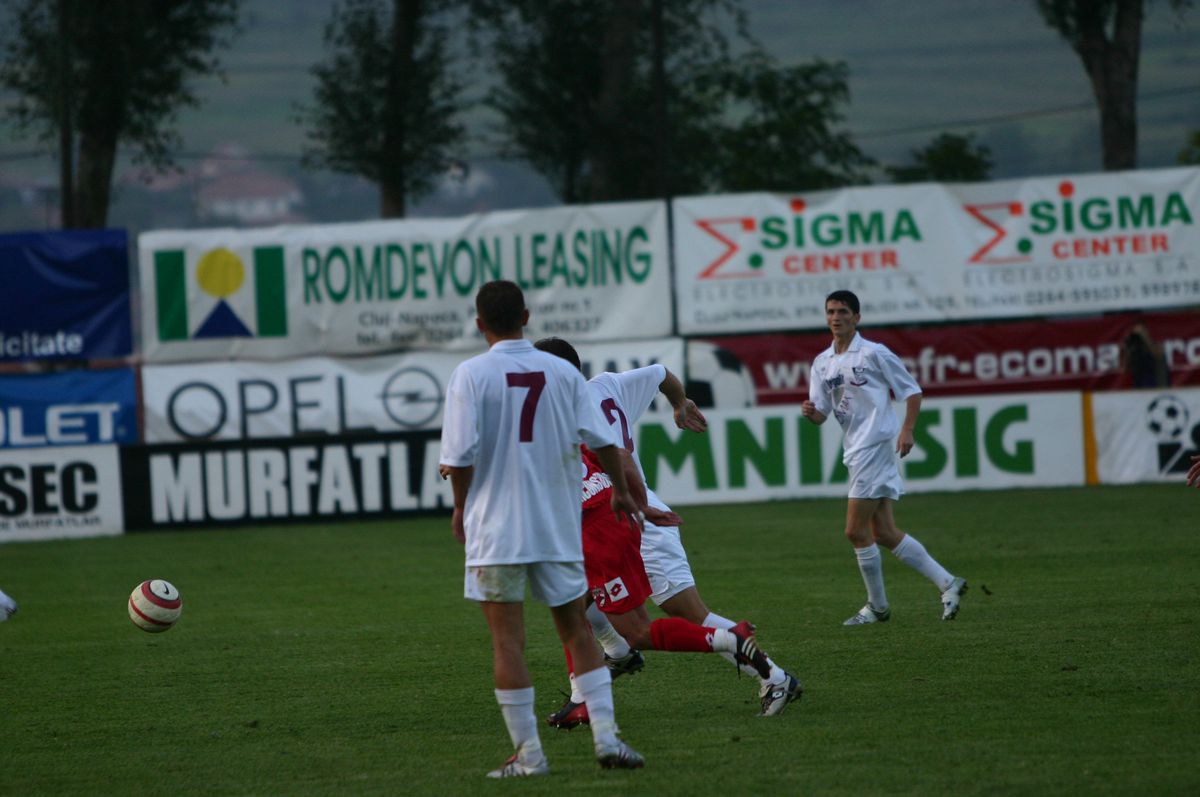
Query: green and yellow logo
[218, 301]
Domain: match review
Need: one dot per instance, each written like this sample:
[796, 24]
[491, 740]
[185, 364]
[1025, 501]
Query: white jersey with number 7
[518, 415]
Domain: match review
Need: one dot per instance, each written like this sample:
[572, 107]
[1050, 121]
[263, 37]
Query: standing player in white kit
[513, 422]
[852, 380]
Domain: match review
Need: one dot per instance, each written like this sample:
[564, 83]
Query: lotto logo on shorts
[616, 590]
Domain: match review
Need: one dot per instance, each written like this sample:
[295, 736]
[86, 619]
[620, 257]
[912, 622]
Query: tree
[385, 104]
[785, 137]
[949, 158]
[637, 99]
[92, 75]
[1107, 37]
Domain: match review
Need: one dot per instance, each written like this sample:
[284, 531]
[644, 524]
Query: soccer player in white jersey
[514, 419]
[851, 380]
[8, 607]
[623, 398]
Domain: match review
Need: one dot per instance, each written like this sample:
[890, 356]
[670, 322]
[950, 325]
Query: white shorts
[552, 583]
[666, 563]
[874, 473]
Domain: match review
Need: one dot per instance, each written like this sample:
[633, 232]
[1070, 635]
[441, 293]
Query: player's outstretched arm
[1193, 474]
[637, 487]
[687, 414]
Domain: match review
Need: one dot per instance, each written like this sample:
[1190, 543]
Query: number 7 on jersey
[535, 382]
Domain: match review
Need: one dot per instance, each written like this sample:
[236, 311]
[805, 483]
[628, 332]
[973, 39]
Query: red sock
[675, 633]
[570, 663]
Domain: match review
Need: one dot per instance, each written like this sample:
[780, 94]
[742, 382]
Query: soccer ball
[155, 605]
[716, 378]
[1167, 418]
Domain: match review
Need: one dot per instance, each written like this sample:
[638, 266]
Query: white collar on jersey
[855, 345]
[512, 344]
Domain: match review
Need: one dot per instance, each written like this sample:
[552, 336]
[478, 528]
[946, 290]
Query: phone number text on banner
[1087, 243]
[589, 273]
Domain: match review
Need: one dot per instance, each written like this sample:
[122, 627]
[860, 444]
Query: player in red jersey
[616, 576]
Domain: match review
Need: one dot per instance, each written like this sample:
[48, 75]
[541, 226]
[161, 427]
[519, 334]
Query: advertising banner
[283, 479]
[960, 359]
[68, 408]
[65, 296]
[765, 453]
[1146, 435]
[932, 252]
[52, 493]
[590, 273]
[235, 400]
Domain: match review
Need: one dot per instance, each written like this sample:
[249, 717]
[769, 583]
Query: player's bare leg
[908, 549]
[861, 533]
[594, 684]
[514, 689]
[776, 690]
[618, 655]
[688, 605]
[677, 634]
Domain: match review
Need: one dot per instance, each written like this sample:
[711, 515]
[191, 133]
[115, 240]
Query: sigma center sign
[933, 252]
[590, 273]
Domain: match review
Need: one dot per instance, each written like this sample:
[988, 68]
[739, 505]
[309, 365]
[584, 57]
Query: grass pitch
[341, 659]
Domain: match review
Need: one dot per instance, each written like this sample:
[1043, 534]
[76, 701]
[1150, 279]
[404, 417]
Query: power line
[1017, 116]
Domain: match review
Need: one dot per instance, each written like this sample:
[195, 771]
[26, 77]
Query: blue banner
[68, 409]
[65, 295]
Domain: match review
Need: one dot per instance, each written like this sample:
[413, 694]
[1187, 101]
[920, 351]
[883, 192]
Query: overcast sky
[987, 67]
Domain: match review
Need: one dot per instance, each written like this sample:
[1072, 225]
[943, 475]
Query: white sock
[723, 641]
[777, 676]
[714, 620]
[596, 687]
[614, 644]
[7, 606]
[870, 564]
[576, 695]
[517, 707]
[913, 553]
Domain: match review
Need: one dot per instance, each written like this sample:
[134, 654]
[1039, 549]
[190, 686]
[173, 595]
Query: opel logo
[412, 397]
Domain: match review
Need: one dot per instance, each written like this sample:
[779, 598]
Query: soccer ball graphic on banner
[155, 605]
[716, 378]
[1167, 418]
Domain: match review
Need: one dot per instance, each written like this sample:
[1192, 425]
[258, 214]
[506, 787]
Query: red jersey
[612, 555]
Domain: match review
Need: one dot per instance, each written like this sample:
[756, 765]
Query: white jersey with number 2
[623, 398]
[517, 415]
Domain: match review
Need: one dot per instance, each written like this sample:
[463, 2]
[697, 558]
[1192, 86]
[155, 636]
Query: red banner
[1064, 354]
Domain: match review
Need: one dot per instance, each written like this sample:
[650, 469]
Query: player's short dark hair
[845, 297]
[560, 348]
[501, 305]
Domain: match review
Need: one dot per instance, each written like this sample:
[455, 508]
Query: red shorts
[612, 560]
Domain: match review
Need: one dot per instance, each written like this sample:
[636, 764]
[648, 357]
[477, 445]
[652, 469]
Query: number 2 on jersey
[535, 381]
[613, 413]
